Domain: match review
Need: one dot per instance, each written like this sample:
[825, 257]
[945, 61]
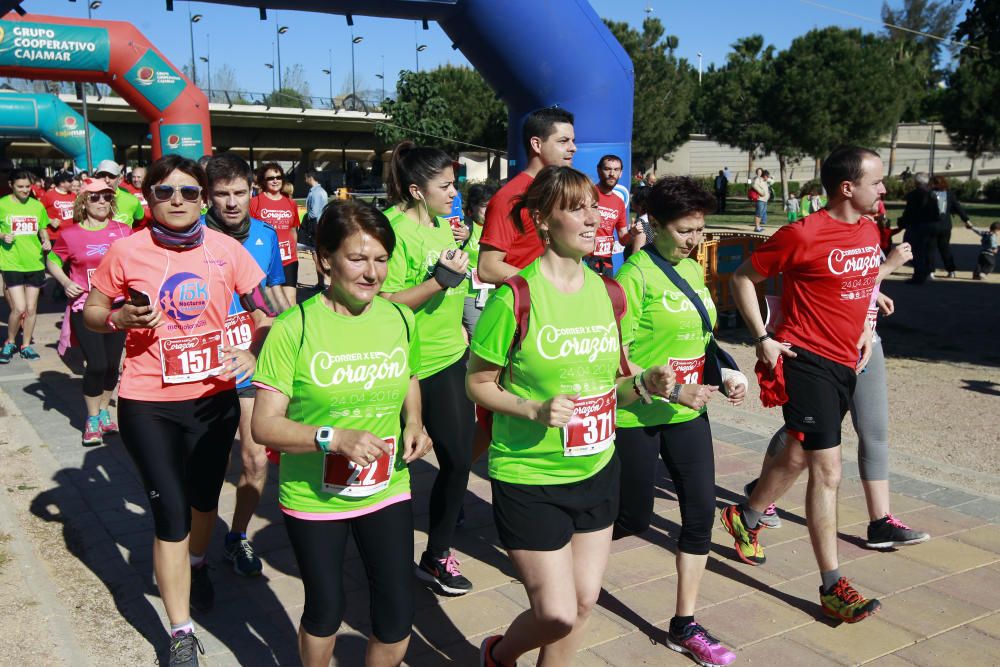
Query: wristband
[447, 278]
[109, 323]
[675, 394]
[761, 339]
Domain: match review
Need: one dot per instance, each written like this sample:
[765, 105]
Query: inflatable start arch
[48, 117]
[115, 53]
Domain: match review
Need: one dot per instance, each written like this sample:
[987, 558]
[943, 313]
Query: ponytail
[413, 165]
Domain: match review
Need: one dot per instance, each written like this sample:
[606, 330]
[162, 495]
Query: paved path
[940, 598]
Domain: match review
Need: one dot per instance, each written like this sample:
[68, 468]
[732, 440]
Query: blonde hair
[80, 206]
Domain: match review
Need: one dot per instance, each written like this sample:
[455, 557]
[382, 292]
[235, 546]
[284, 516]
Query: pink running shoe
[108, 425]
[705, 649]
[92, 432]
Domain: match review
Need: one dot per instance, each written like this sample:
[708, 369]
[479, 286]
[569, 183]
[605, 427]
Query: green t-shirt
[24, 221]
[440, 317]
[571, 347]
[350, 373]
[128, 206]
[661, 326]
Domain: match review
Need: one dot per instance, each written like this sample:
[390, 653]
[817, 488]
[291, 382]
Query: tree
[816, 107]
[224, 81]
[288, 97]
[477, 113]
[419, 112]
[979, 32]
[665, 88]
[924, 20]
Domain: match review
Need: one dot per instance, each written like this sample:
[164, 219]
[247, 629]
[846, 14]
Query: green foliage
[287, 97]
[665, 87]
[819, 107]
[896, 188]
[979, 32]
[965, 189]
[419, 112]
[992, 191]
[449, 101]
[926, 19]
[971, 112]
[731, 108]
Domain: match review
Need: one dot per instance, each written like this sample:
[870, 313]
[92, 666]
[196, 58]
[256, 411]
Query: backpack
[522, 309]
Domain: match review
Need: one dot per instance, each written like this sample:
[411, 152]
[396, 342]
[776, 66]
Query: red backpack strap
[522, 308]
[619, 304]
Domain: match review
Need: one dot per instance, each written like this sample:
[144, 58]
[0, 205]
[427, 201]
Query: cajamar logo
[145, 75]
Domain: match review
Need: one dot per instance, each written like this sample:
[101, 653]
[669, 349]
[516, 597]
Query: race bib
[239, 330]
[191, 358]
[285, 248]
[66, 213]
[343, 477]
[688, 371]
[591, 429]
[23, 225]
[455, 222]
[481, 287]
[605, 244]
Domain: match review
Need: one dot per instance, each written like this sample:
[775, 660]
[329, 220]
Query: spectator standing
[316, 201]
[947, 205]
[759, 192]
[721, 190]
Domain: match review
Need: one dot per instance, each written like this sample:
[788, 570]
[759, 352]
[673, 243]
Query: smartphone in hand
[137, 298]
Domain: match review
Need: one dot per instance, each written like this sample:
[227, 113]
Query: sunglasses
[275, 178]
[189, 193]
[104, 175]
[106, 197]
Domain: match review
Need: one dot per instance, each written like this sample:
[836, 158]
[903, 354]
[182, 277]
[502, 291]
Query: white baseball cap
[108, 167]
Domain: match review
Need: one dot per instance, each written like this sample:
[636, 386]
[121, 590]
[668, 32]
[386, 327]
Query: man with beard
[229, 182]
[613, 215]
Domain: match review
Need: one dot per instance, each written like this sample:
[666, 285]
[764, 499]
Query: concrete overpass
[326, 138]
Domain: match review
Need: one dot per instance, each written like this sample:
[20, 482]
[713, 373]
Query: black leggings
[687, 451]
[385, 541]
[181, 449]
[450, 419]
[103, 354]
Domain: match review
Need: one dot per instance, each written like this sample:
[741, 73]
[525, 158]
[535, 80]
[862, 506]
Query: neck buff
[239, 233]
[165, 237]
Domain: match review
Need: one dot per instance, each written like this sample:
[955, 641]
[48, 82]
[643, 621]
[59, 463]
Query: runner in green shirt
[427, 272]
[553, 393]
[128, 208]
[338, 376]
[24, 241]
[662, 326]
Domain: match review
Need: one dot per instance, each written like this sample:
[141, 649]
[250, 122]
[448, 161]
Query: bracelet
[640, 388]
[675, 394]
[109, 323]
[761, 339]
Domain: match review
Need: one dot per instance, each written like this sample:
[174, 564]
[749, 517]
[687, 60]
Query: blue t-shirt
[262, 244]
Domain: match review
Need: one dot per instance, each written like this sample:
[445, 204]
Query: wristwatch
[675, 393]
[324, 436]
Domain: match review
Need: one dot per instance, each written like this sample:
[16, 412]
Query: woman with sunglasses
[74, 258]
[177, 406]
[281, 212]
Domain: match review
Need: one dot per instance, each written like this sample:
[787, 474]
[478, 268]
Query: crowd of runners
[510, 335]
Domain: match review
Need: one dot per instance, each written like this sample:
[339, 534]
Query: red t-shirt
[283, 215]
[829, 269]
[59, 207]
[499, 232]
[613, 216]
[180, 359]
[145, 205]
[38, 192]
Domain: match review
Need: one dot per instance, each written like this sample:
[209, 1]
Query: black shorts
[544, 517]
[181, 449]
[819, 392]
[291, 274]
[24, 278]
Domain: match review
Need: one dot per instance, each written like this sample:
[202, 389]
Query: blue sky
[238, 38]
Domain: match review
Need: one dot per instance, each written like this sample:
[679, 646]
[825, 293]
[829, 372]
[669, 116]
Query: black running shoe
[443, 573]
[890, 532]
[184, 650]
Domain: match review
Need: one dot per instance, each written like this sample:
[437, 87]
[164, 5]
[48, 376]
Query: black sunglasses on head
[189, 193]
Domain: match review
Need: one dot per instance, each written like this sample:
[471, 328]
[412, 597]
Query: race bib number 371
[591, 429]
[343, 477]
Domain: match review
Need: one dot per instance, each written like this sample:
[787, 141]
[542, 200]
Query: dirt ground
[943, 361]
